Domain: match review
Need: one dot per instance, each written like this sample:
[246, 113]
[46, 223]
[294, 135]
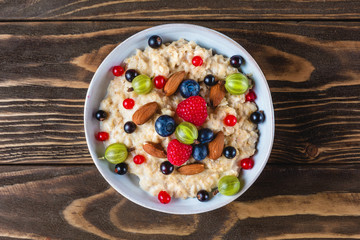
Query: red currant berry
[102, 136]
[250, 96]
[128, 103]
[139, 159]
[164, 197]
[230, 120]
[197, 61]
[247, 163]
[159, 82]
[118, 71]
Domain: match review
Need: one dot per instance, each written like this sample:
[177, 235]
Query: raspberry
[178, 153]
[193, 109]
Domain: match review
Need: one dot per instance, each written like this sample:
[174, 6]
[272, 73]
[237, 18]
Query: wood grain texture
[75, 202]
[176, 10]
[312, 69]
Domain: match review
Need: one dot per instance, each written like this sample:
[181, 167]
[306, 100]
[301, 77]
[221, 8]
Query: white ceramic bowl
[127, 184]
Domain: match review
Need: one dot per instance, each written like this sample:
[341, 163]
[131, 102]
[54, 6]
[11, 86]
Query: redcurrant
[118, 71]
[128, 103]
[247, 163]
[102, 136]
[250, 96]
[159, 82]
[164, 197]
[139, 159]
[197, 61]
[230, 120]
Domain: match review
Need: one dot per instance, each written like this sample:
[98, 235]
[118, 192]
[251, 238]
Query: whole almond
[173, 83]
[191, 169]
[217, 93]
[216, 146]
[144, 113]
[154, 149]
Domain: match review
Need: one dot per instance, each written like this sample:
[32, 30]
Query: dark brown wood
[176, 10]
[286, 202]
[312, 69]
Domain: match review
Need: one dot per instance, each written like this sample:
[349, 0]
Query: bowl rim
[270, 118]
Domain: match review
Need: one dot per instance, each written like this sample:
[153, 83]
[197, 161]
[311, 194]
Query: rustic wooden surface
[51, 190]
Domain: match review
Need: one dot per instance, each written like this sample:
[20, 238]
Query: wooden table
[310, 54]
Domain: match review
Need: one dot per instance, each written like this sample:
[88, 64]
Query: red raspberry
[193, 109]
[178, 153]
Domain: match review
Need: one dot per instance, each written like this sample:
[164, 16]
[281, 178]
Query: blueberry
[236, 61]
[189, 88]
[205, 135]
[101, 115]
[229, 152]
[131, 74]
[121, 168]
[155, 41]
[257, 117]
[210, 80]
[129, 127]
[203, 196]
[166, 167]
[200, 151]
[165, 125]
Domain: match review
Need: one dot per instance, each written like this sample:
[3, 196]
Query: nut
[173, 83]
[216, 146]
[191, 169]
[154, 149]
[144, 113]
[217, 93]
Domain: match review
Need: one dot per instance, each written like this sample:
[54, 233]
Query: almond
[216, 146]
[144, 113]
[154, 149]
[173, 83]
[191, 169]
[217, 93]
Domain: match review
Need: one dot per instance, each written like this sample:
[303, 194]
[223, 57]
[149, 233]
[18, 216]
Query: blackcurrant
[129, 127]
[101, 115]
[131, 74]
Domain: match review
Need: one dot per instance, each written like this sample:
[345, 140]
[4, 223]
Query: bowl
[127, 185]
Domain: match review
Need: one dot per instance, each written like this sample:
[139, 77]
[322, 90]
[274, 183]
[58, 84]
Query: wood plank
[312, 69]
[178, 10]
[286, 202]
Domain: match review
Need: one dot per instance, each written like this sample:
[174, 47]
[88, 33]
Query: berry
[257, 117]
[230, 120]
[229, 185]
[159, 81]
[121, 168]
[197, 61]
[193, 109]
[178, 153]
[129, 127]
[247, 163]
[200, 151]
[139, 159]
[164, 197]
[210, 80]
[229, 152]
[166, 167]
[116, 153]
[250, 96]
[155, 41]
[205, 135]
[101, 115]
[117, 71]
[128, 103]
[189, 88]
[203, 196]
[131, 74]
[236, 61]
[142, 84]
[186, 133]
[236, 83]
[165, 125]
[102, 136]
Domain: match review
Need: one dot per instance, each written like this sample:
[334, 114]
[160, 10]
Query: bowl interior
[127, 185]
